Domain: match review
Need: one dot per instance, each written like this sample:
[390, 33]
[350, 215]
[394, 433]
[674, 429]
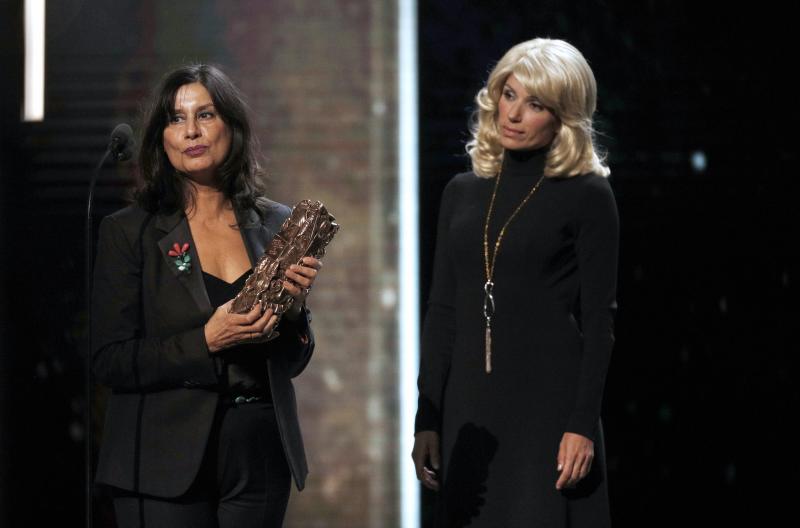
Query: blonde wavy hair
[559, 76]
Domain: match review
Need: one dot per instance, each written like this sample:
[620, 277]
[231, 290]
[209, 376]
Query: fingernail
[560, 467]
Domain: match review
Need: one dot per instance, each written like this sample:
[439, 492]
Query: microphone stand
[116, 152]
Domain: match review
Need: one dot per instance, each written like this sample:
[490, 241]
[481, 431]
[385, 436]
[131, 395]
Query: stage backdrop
[320, 78]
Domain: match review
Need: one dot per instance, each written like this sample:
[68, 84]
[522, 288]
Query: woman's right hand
[426, 448]
[225, 330]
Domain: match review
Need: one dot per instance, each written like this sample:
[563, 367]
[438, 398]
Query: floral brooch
[183, 261]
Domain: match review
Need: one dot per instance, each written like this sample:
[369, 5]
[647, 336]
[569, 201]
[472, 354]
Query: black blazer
[148, 346]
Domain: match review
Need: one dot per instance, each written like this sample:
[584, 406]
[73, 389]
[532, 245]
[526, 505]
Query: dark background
[700, 392]
[700, 395]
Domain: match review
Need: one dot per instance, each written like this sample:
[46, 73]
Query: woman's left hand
[300, 279]
[575, 455]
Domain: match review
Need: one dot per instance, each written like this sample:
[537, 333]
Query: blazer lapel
[177, 231]
[256, 235]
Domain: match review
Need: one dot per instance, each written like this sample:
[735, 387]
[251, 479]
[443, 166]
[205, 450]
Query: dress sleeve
[597, 249]
[122, 358]
[438, 329]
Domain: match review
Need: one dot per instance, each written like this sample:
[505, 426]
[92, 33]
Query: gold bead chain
[488, 301]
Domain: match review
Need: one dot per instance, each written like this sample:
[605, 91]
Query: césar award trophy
[305, 233]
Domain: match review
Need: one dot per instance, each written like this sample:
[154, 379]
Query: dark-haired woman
[201, 428]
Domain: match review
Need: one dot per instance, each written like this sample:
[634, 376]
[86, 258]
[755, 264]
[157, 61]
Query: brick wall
[320, 80]
[320, 77]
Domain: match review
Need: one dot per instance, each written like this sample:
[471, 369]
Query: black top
[521, 170]
[244, 366]
[552, 333]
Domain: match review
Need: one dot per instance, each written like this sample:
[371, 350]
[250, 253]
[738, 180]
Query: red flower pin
[182, 257]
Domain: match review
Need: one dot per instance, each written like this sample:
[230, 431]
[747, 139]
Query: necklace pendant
[488, 312]
[488, 348]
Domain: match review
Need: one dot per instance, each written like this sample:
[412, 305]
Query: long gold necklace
[488, 299]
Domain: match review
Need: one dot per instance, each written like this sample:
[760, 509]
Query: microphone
[122, 142]
[120, 148]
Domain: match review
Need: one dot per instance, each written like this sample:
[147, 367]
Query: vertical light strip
[408, 320]
[33, 106]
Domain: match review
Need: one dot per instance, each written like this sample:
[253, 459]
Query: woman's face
[196, 139]
[523, 122]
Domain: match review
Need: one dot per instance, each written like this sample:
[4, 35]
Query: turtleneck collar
[525, 163]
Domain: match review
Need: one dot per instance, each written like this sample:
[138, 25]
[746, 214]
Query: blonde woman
[519, 329]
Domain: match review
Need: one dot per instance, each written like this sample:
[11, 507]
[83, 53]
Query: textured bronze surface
[305, 233]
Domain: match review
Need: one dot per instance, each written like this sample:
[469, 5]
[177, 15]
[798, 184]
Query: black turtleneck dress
[555, 290]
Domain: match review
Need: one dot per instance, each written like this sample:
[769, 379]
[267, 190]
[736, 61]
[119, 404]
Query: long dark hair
[163, 188]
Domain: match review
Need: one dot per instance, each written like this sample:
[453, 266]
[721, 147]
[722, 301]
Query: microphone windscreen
[122, 134]
[121, 145]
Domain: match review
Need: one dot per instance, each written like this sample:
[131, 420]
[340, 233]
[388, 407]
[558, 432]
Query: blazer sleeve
[122, 357]
[296, 341]
[438, 329]
[597, 249]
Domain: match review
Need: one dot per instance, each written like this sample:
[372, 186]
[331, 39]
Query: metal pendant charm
[488, 312]
[488, 349]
